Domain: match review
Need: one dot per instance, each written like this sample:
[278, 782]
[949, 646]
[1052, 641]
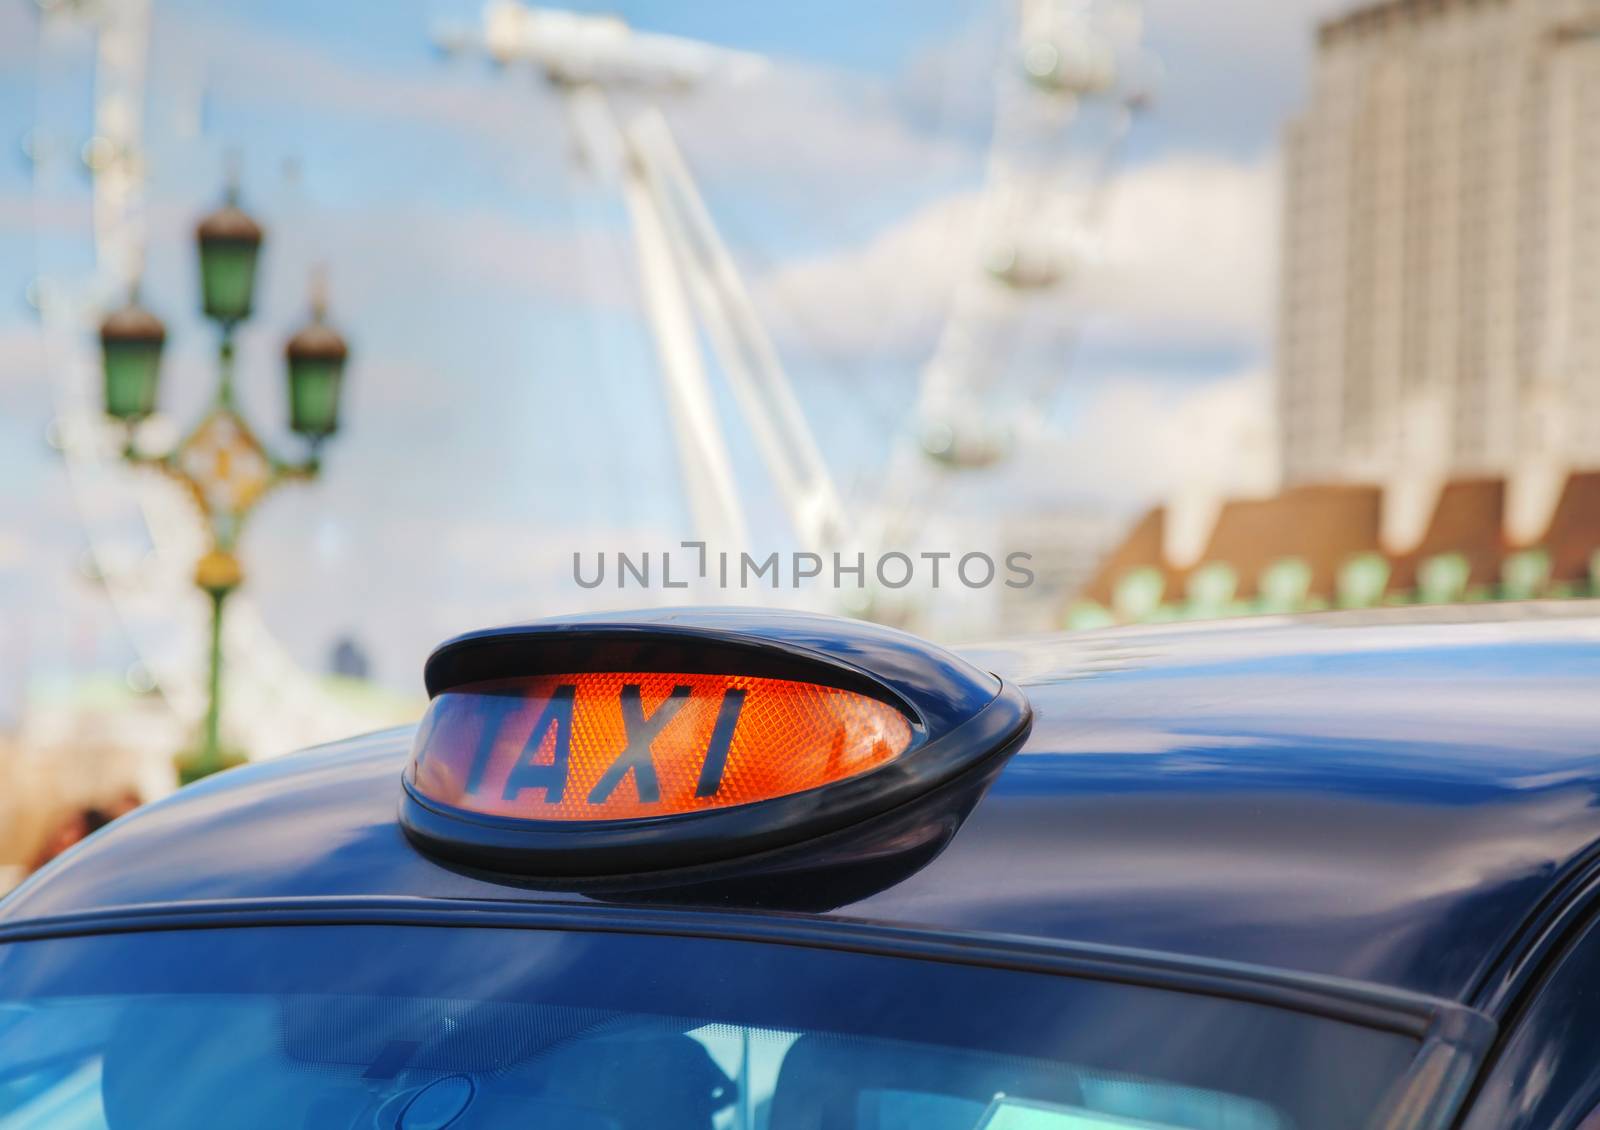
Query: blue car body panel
[1381, 798]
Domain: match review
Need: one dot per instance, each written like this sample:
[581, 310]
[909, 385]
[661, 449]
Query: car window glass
[305, 1027]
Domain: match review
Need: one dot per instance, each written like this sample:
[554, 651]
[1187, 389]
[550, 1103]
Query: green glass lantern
[230, 243]
[130, 343]
[316, 357]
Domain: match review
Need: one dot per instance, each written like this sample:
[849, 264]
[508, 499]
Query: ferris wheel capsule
[966, 446]
[1021, 267]
[1063, 52]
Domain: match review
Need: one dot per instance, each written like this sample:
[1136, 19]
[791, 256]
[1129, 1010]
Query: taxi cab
[735, 870]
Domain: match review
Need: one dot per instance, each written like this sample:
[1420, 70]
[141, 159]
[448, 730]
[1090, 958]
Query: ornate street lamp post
[226, 468]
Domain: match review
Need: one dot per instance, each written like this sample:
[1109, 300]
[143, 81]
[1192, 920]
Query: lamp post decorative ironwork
[225, 467]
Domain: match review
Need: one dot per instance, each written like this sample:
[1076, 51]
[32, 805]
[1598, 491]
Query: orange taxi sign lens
[618, 746]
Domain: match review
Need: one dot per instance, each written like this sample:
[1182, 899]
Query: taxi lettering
[641, 730]
[608, 746]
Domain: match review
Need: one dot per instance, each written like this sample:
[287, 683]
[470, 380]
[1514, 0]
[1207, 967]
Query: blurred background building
[1441, 251]
[1438, 363]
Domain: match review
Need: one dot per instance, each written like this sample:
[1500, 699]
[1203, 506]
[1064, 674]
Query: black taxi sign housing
[625, 745]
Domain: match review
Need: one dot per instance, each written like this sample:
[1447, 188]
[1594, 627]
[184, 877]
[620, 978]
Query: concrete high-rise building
[1441, 278]
[1439, 336]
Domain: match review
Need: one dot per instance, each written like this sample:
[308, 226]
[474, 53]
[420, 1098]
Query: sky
[502, 405]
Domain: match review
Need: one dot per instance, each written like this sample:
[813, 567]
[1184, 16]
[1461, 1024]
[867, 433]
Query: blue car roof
[1388, 798]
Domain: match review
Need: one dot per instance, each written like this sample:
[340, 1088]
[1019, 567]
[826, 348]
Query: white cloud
[224, 58]
[797, 129]
[1190, 252]
[1234, 69]
[1186, 258]
[26, 210]
[1235, 32]
[1138, 440]
[950, 83]
[887, 295]
[490, 251]
[22, 361]
[13, 550]
[18, 33]
[806, 129]
[1122, 443]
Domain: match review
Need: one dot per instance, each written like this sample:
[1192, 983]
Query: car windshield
[428, 1027]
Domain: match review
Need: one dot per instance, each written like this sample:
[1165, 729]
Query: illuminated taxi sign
[614, 747]
[624, 745]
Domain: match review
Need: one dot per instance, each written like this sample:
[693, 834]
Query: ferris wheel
[1070, 83]
[1071, 80]
[1066, 96]
[142, 533]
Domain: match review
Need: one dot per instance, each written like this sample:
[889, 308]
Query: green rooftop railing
[1442, 579]
[1138, 594]
[1525, 574]
[1211, 589]
[1284, 586]
[1362, 580]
